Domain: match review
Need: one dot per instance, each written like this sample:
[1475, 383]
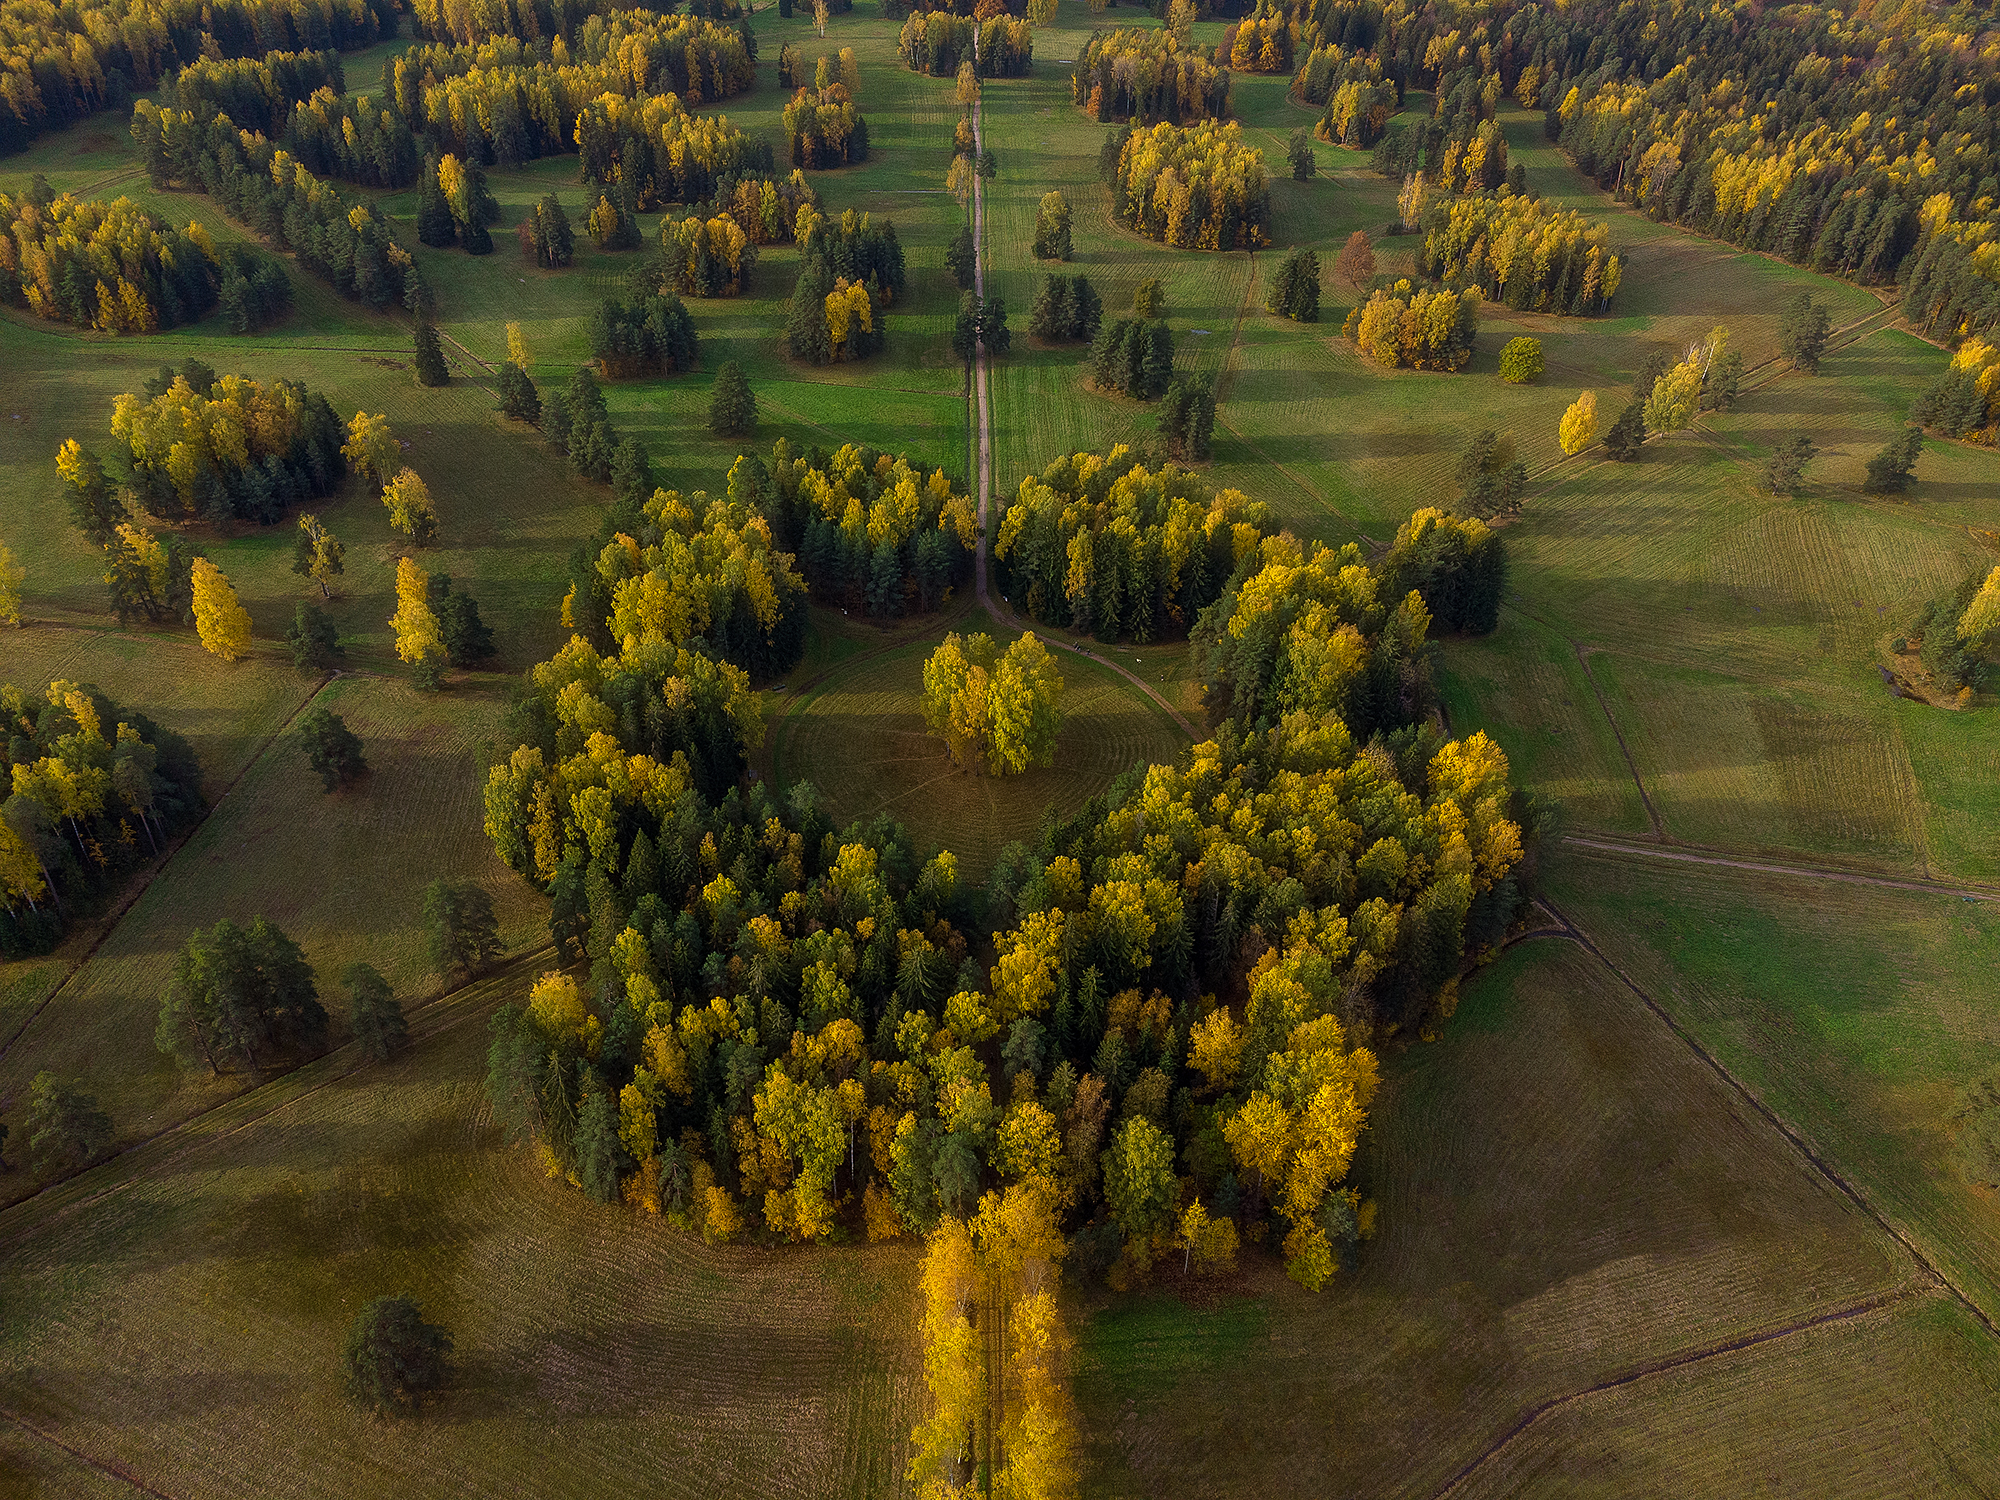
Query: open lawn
[860, 739]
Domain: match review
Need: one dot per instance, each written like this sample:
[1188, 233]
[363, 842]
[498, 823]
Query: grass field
[860, 739]
[1567, 1194]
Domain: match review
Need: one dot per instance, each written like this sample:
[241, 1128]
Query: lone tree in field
[331, 747]
[431, 368]
[464, 933]
[318, 555]
[418, 640]
[960, 257]
[315, 646]
[1802, 332]
[373, 1017]
[410, 509]
[1890, 469]
[1521, 361]
[1187, 416]
[1295, 290]
[221, 622]
[1052, 219]
[1149, 299]
[238, 995]
[1578, 429]
[995, 711]
[1299, 152]
[732, 410]
[393, 1358]
[1627, 432]
[1788, 465]
[1490, 478]
[1356, 265]
[66, 1129]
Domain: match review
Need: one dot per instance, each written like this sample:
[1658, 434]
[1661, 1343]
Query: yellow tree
[968, 85]
[20, 870]
[517, 347]
[1978, 627]
[418, 640]
[11, 574]
[1579, 424]
[372, 448]
[321, 556]
[1023, 708]
[221, 622]
[410, 510]
[958, 180]
[954, 1368]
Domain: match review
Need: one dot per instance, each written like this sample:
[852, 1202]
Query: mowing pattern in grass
[1566, 1193]
[188, 1325]
[861, 740]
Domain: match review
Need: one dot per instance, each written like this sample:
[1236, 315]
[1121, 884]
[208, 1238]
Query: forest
[110, 266]
[1147, 76]
[1195, 188]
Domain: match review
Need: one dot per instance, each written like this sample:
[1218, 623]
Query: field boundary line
[250, 1098]
[117, 916]
[1749, 1096]
[116, 1471]
[1681, 1361]
[1639, 850]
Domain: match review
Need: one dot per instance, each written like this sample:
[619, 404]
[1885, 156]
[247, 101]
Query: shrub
[1521, 361]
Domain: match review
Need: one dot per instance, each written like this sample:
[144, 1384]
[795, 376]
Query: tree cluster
[664, 154]
[647, 334]
[1458, 564]
[1965, 401]
[702, 259]
[825, 129]
[1066, 309]
[1134, 356]
[258, 93]
[1358, 98]
[241, 997]
[850, 271]
[1147, 76]
[937, 42]
[93, 791]
[1957, 635]
[872, 532]
[1405, 325]
[1195, 188]
[997, 711]
[1187, 416]
[109, 266]
[1534, 256]
[1491, 479]
[1103, 544]
[1263, 42]
[577, 421]
[352, 137]
[455, 206]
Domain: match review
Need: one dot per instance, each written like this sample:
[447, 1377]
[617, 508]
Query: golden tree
[418, 640]
[372, 448]
[517, 347]
[321, 557]
[410, 508]
[221, 622]
[1579, 424]
[11, 574]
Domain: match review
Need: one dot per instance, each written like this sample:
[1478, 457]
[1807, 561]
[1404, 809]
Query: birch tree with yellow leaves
[221, 622]
[418, 639]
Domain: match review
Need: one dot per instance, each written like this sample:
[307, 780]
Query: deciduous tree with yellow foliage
[222, 623]
[418, 640]
[996, 711]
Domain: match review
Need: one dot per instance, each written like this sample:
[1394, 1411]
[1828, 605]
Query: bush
[1521, 361]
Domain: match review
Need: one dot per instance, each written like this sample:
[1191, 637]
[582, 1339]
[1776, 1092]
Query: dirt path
[1803, 872]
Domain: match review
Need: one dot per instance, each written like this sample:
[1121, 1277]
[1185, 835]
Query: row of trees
[1533, 255]
[1104, 544]
[1195, 188]
[940, 44]
[93, 791]
[1405, 325]
[997, 711]
[110, 266]
[871, 532]
[1147, 76]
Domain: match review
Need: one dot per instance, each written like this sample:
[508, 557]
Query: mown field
[860, 739]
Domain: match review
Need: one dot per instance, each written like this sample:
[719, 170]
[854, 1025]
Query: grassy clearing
[860, 739]
[342, 874]
[187, 1323]
[1860, 1015]
[1566, 1193]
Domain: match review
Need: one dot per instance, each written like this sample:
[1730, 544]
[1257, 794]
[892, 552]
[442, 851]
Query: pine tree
[1627, 432]
[1299, 152]
[431, 368]
[518, 397]
[1890, 469]
[333, 750]
[222, 623]
[374, 1019]
[732, 410]
[464, 933]
[885, 583]
[312, 639]
[1157, 362]
[961, 258]
[392, 1357]
[1802, 332]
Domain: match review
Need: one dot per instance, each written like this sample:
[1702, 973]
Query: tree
[418, 640]
[997, 713]
[312, 639]
[318, 555]
[1890, 469]
[1718, 390]
[222, 623]
[94, 506]
[1357, 260]
[1490, 478]
[464, 932]
[517, 347]
[237, 994]
[961, 257]
[989, 164]
[1149, 298]
[1802, 332]
[392, 1358]
[732, 410]
[598, 1148]
[1139, 1185]
[410, 510]
[1578, 429]
[1295, 291]
[1299, 152]
[331, 747]
[1627, 432]
[431, 368]
[372, 448]
[11, 575]
[518, 397]
[1979, 625]
[1187, 416]
[1052, 227]
[1788, 465]
[66, 1129]
[1521, 361]
[374, 1019]
[467, 638]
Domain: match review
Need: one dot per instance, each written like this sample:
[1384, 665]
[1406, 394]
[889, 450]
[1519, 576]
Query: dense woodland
[1147, 76]
[936, 42]
[109, 266]
[1195, 188]
[93, 791]
[1522, 251]
[1105, 545]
